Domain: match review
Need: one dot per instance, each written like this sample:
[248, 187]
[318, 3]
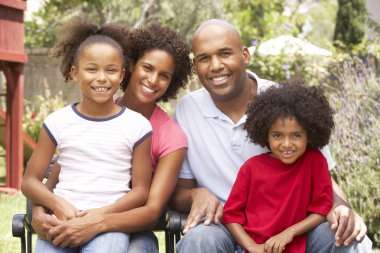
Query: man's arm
[198, 202]
[347, 224]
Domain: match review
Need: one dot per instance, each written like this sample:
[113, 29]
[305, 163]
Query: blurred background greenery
[349, 75]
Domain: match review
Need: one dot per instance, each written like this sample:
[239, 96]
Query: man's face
[219, 60]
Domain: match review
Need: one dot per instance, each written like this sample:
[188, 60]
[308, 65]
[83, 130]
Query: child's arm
[32, 186]
[141, 177]
[243, 239]
[278, 242]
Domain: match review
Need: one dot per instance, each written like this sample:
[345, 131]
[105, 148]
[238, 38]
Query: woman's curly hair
[307, 105]
[153, 37]
[78, 33]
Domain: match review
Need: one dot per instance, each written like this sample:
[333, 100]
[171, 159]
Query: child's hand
[63, 210]
[257, 248]
[277, 243]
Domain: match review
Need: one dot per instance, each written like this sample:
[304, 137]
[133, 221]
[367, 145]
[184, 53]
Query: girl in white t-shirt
[96, 139]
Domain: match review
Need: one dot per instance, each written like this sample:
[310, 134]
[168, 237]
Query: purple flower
[288, 76]
[287, 27]
[285, 67]
[254, 42]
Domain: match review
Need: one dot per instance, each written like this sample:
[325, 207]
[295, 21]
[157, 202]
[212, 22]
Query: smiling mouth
[146, 89]
[287, 154]
[101, 89]
[219, 79]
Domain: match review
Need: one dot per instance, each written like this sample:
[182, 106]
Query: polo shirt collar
[209, 110]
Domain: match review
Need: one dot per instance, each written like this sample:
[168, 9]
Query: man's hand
[43, 222]
[204, 203]
[76, 232]
[347, 224]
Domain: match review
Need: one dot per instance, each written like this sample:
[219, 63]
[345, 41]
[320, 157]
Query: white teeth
[101, 89]
[147, 89]
[220, 78]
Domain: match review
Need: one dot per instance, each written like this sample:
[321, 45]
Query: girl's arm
[243, 239]
[32, 186]
[138, 219]
[278, 242]
[141, 179]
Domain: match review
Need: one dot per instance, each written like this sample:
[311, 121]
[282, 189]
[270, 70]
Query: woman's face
[151, 75]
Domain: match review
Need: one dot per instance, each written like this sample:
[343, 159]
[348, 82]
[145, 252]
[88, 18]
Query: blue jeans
[321, 240]
[143, 242]
[207, 239]
[216, 239]
[112, 242]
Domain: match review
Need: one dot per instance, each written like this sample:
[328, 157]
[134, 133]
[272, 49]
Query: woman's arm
[137, 219]
[278, 242]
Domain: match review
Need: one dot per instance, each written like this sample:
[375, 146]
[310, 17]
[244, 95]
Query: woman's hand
[77, 231]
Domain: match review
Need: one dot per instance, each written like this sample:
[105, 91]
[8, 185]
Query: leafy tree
[350, 22]
[183, 16]
[262, 19]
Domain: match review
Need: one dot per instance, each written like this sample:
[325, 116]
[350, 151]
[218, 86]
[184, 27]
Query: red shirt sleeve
[237, 200]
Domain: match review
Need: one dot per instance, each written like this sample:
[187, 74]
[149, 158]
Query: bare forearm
[36, 192]
[304, 226]
[339, 197]
[134, 198]
[240, 236]
[182, 199]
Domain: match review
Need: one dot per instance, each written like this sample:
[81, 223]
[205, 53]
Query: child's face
[151, 75]
[287, 140]
[99, 72]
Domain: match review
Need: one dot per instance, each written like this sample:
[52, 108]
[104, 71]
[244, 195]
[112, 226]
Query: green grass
[11, 205]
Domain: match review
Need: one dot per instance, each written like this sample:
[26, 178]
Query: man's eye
[203, 59]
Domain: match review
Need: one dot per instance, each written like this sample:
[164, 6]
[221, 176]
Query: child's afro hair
[307, 105]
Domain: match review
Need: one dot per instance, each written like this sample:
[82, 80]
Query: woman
[160, 66]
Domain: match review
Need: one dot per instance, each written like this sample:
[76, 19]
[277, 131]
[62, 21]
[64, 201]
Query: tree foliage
[350, 22]
[182, 15]
[262, 19]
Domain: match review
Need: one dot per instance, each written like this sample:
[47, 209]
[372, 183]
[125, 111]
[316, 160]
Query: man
[213, 119]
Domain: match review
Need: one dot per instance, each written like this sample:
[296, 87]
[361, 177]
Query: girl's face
[287, 139]
[151, 75]
[99, 72]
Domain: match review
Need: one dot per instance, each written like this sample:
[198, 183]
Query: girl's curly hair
[153, 37]
[307, 105]
[78, 33]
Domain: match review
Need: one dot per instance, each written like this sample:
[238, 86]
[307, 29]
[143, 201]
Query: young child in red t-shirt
[280, 195]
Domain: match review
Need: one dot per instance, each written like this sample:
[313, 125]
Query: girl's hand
[277, 243]
[63, 210]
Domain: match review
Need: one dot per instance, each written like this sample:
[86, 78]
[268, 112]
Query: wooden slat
[13, 56]
[15, 4]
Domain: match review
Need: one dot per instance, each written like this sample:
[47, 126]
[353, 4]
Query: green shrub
[355, 143]
[281, 67]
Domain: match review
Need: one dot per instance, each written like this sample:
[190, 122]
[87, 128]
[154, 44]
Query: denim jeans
[321, 240]
[216, 239]
[112, 242]
[207, 239]
[143, 242]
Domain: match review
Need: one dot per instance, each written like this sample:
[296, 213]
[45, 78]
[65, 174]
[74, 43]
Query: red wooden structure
[12, 60]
